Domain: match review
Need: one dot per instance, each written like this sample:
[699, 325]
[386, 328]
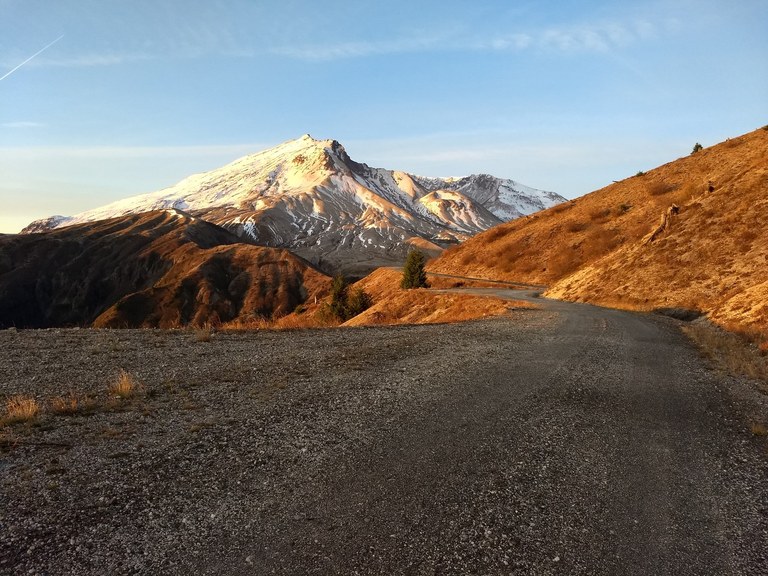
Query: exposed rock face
[311, 197]
[162, 268]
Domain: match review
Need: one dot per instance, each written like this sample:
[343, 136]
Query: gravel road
[564, 440]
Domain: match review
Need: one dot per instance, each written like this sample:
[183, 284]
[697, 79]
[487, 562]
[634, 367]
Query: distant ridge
[162, 268]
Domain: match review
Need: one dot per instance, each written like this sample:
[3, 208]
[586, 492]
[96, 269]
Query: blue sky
[132, 96]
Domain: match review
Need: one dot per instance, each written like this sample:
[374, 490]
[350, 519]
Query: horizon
[100, 103]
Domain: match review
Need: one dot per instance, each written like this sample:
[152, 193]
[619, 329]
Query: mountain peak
[310, 196]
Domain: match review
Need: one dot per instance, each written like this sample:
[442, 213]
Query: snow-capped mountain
[310, 196]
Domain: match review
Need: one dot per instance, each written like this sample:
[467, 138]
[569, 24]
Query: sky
[105, 99]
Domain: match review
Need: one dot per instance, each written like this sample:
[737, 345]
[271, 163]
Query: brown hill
[162, 268]
[609, 247]
[392, 305]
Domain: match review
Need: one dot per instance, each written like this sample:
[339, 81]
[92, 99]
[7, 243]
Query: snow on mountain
[310, 196]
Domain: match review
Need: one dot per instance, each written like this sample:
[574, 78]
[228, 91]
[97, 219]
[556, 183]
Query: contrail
[43, 49]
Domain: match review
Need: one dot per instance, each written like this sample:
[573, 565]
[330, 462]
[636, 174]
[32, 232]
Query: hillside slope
[712, 256]
[309, 196]
[394, 305]
[162, 268]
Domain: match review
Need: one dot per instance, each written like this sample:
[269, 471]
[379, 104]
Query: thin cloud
[22, 124]
[597, 37]
[358, 49]
[107, 152]
[88, 60]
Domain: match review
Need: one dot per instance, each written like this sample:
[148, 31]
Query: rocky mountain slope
[627, 246]
[311, 197]
[162, 268]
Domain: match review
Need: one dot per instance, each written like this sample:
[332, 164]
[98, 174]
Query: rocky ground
[567, 439]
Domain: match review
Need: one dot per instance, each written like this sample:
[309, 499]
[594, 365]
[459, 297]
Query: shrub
[358, 301]
[599, 213]
[640, 173]
[20, 408]
[414, 275]
[696, 148]
[495, 233]
[659, 188]
[577, 226]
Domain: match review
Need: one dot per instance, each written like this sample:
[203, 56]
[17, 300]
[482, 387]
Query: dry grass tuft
[203, 334]
[577, 226]
[65, 405]
[71, 404]
[660, 188]
[125, 386]
[730, 351]
[19, 409]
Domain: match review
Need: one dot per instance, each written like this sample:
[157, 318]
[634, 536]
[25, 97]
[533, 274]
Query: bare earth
[562, 440]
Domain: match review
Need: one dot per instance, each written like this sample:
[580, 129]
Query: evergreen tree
[357, 301]
[345, 304]
[414, 275]
[339, 289]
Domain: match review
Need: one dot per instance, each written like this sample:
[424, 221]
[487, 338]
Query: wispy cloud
[594, 37]
[359, 49]
[125, 152]
[23, 124]
[86, 60]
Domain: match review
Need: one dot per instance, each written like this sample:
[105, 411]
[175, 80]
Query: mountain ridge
[162, 268]
[342, 215]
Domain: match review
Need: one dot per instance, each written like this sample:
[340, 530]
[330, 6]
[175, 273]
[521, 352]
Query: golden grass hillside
[393, 305]
[713, 256]
[156, 269]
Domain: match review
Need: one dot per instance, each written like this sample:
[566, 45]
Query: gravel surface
[564, 440]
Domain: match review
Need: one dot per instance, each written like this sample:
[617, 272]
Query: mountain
[309, 196]
[156, 269]
[690, 234]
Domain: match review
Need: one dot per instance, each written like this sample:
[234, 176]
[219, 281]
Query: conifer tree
[414, 275]
[339, 289]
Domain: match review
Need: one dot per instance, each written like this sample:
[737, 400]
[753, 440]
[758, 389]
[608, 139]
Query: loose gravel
[569, 439]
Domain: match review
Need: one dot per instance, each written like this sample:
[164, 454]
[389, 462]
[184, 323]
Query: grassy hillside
[712, 257]
[156, 269]
[392, 305]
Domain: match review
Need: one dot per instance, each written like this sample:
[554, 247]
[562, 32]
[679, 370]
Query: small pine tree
[696, 148]
[357, 301]
[339, 290]
[345, 304]
[414, 275]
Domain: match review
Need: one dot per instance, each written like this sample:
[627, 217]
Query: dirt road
[565, 440]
